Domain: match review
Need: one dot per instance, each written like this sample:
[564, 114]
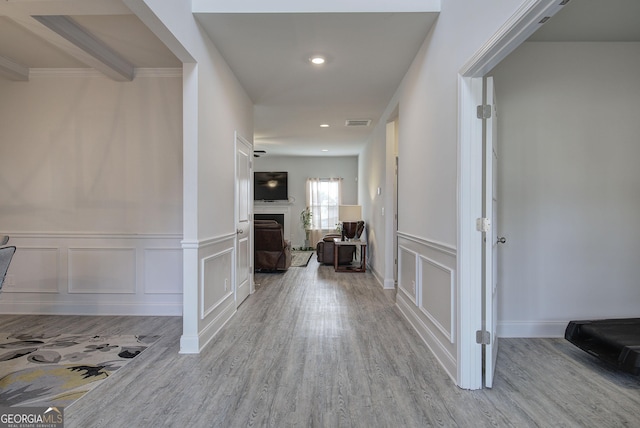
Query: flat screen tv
[270, 186]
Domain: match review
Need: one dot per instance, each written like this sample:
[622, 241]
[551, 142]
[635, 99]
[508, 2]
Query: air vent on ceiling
[357, 122]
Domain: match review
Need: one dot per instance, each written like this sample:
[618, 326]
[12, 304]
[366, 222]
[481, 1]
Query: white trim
[148, 72]
[389, 284]
[449, 334]
[91, 235]
[436, 245]
[249, 145]
[447, 361]
[469, 260]
[84, 308]
[159, 72]
[523, 23]
[416, 285]
[514, 31]
[532, 329]
[216, 240]
[210, 331]
[204, 312]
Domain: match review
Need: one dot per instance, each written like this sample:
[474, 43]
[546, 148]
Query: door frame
[525, 21]
[239, 139]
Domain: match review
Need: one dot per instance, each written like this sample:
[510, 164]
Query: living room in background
[324, 196]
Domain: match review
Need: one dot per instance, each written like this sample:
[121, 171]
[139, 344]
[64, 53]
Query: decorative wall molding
[408, 276]
[531, 329]
[212, 241]
[90, 72]
[99, 270]
[450, 285]
[158, 278]
[446, 359]
[438, 246]
[427, 295]
[91, 273]
[215, 268]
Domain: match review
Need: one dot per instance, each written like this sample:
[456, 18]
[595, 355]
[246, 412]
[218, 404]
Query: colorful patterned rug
[55, 370]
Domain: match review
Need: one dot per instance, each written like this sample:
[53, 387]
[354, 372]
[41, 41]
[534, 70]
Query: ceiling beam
[108, 61]
[12, 70]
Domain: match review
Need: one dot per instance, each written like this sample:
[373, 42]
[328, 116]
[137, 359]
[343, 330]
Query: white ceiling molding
[318, 6]
[113, 65]
[159, 72]
[12, 70]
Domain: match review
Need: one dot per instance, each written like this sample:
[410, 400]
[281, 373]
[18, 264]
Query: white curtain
[324, 195]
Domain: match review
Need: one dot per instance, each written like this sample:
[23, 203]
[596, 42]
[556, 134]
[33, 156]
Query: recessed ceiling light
[317, 60]
[324, 125]
[325, 150]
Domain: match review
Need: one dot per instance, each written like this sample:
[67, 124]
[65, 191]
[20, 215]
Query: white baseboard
[531, 329]
[446, 360]
[73, 308]
[389, 284]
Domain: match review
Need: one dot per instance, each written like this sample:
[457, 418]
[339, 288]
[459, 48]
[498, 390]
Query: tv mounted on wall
[270, 186]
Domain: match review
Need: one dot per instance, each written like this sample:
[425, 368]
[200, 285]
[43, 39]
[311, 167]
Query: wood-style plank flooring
[315, 348]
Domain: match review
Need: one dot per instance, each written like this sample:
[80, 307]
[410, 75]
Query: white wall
[373, 166]
[215, 107]
[427, 102]
[300, 168]
[91, 191]
[568, 188]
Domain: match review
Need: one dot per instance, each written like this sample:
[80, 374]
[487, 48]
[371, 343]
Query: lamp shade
[350, 212]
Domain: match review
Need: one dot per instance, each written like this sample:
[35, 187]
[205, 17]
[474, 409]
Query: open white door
[491, 237]
[244, 201]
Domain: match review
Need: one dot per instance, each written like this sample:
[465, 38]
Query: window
[324, 197]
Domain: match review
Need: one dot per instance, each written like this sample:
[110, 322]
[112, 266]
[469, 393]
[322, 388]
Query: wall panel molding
[427, 294]
[438, 314]
[91, 273]
[101, 270]
[215, 282]
[438, 246]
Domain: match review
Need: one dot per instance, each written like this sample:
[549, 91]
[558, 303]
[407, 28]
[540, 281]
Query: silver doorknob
[502, 240]
[240, 231]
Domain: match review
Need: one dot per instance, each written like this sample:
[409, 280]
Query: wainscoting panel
[38, 271]
[407, 273]
[160, 273]
[216, 286]
[91, 274]
[438, 286]
[216, 303]
[427, 295]
[104, 271]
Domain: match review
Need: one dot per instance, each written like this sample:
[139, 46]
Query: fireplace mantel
[277, 207]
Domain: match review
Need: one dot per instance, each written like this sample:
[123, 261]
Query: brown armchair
[325, 249]
[271, 250]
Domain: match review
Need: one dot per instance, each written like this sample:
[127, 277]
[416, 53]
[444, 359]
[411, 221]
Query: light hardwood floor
[315, 348]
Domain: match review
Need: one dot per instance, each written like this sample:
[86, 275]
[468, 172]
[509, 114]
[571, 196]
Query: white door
[491, 237]
[244, 221]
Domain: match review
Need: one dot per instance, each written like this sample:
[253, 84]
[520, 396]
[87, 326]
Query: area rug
[301, 258]
[55, 370]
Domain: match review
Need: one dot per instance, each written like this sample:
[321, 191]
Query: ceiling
[367, 56]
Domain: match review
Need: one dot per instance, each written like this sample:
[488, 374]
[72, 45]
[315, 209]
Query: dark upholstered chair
[271, 250]
[325, 249]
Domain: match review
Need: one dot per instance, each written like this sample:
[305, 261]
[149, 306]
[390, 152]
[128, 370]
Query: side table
[338, 242]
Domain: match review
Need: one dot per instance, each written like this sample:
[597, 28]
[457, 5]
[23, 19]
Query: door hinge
[483, 224]
[483, 337]
[484, 111]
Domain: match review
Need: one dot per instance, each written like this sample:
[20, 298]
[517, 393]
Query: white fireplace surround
[276, 208]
